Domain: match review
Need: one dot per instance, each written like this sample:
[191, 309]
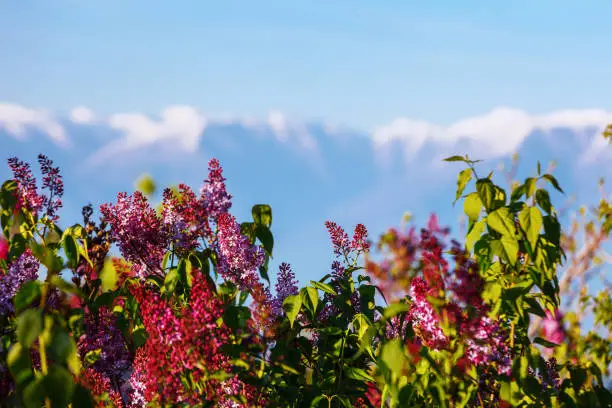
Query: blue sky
[358, 62]
[326, 110]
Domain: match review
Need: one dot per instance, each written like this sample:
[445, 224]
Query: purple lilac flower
[138, 231]
[102, 333]
[24, 269]
[550, 378]
[286, 286]
[26, 183]
[356, 302]
[238, 259]
[52, 181]
[213, 194]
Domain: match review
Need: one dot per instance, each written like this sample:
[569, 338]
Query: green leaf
[28, 293]
[262, 215]
[552, 228]
[33, 394]
[486, 190]
[502, 221]
[543, 200]
[139, 336]
[185, 272]
[518, 192]
[324, 287]
[462, 181]
[394, 309]
[472, 206]
[530, 186]
[359, 374]
[455, 159]
[82, 398]
[531, 221]
[264, 234]
[29, 327]
[552, 180]
[509, 392]
[108, 275]
[145, 184]
[59, 386]
[511, 247]
[292, 306]
[248, 230]
[71, 249]
[544, 342]
[20, 364]
[392, 356]
[310, 296]
[475, 233]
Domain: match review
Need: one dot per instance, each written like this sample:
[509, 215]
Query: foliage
[186, 315]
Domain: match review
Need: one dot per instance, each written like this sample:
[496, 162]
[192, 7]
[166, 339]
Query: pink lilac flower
[285, 286]
[22, 270]
[186, 346]
[138, 232]
[423, 316]
[215, 198]
[184, 218]
[26, 184]
[339, 238]
[52, 181]
[239, 260]
[552, 327]
[137, 381]
[359, 242]
[100, 388]
[4, 248]
[487, 343]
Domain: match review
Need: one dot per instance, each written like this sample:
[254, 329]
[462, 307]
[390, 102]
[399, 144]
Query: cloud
[497, 133]
[182, 126]
[16, 119]
[82, 115]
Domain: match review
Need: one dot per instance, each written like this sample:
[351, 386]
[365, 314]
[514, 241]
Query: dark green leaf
[82, 398]
[59, 386]
[544, 342]
[543, 200]
[264, 235]
[552, 180]
[455, 159]
[71, 249]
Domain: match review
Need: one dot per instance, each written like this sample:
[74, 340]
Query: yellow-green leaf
[531, 221]
[501, 220]
[472, 206]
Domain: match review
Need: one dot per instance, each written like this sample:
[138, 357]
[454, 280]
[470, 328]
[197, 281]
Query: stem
[42, 349]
